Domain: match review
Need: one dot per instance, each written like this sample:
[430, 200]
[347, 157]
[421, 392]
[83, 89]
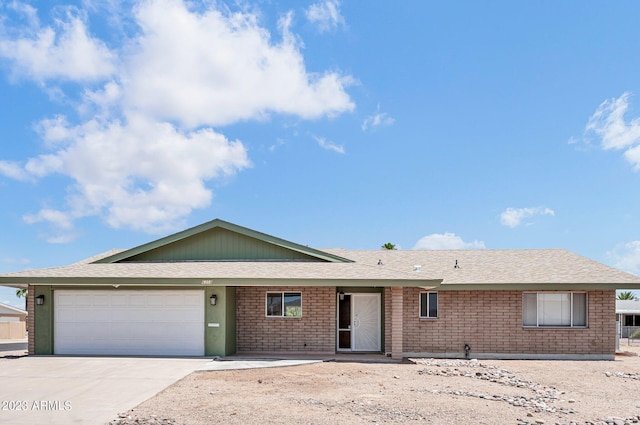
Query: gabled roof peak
[201, 238]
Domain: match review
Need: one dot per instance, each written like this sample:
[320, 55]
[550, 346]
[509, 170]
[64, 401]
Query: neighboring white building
[12, 314]
[13, 322]
[628, 317]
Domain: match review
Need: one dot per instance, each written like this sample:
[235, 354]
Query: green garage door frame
[219, 327]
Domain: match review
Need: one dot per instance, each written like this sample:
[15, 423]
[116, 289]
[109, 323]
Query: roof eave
[203, 282]
[537, 286]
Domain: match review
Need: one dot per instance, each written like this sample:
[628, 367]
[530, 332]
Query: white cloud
[325, 144]
[513, 217]
[609, 126]
[326, 15]
[146, 149]
[446, 241]
[11, 260]
[13, 170]
[211, 69]
[66, 51]
[376, 120]
[279, 142]
[142, 174]
[60, 219]
[626, 257]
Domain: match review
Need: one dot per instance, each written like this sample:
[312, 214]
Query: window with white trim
[284, 304]
[429, 305]
[554, 309]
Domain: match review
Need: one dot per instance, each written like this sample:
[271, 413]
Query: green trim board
[220, 322]
[231, 324]
[534, 286]
[165, 246]
[435, 284]
[219, 340]
[224, 282]
[43, 321]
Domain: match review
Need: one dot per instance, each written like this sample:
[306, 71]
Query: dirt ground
[429, 391]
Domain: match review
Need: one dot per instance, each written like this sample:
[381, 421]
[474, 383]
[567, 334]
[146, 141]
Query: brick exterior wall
[314, 332]
[31, 302]
[491, 322]
[387, 320]
[397, 319]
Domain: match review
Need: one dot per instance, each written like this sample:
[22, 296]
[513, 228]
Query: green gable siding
[219, 244]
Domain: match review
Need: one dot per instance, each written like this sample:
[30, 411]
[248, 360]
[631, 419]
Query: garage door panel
[63, 300]
[119, 315]
[78, 331]
[65, 315]
[137, 300]
[82, 300]
[118, 300]
[101, 300]
[191, 316]
[155, 300]
[149, 322]
[192, 300]
[175, 301]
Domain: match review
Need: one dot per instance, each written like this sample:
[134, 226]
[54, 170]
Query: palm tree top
[626, 295]
[388, 245]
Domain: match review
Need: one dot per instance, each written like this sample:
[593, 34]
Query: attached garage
[129, 322]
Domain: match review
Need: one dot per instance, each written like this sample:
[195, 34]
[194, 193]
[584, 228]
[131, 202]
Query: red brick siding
[491, 322]
[258, 333]
[387, 320]
[31, 345]
[397, 319]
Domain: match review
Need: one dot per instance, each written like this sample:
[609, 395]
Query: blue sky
[473, 125]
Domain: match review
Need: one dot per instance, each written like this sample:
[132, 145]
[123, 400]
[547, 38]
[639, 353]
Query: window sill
[555, 327]
[283, 317]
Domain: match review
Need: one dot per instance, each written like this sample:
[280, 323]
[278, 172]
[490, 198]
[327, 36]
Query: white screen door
[366, 322]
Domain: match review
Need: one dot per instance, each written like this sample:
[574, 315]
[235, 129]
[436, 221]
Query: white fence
[627, 331]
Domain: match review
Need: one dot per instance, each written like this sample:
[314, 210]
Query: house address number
[207, 282]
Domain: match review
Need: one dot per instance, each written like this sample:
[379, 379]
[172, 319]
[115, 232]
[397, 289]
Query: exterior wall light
[341, 296]
[40, 300]
[213, 299]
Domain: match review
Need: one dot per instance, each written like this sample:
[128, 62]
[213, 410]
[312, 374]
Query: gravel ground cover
[425, 391]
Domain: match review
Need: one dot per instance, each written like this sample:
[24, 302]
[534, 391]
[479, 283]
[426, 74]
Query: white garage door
[169, 323]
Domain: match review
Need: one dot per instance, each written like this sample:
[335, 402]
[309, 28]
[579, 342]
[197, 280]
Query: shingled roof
[454, 269]
[232, 273]
[461, 268]
[205, 255]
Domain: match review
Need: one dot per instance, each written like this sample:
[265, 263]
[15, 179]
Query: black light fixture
[40, 300]
[213, 299]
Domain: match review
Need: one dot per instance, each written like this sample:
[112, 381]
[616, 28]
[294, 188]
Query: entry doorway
[359, 322]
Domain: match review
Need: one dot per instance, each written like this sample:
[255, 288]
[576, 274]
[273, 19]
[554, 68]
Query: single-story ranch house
[220, 289]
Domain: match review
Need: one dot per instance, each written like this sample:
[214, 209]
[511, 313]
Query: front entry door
[359, 322]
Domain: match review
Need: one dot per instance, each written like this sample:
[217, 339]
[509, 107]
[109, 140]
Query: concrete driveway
[82, 390]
